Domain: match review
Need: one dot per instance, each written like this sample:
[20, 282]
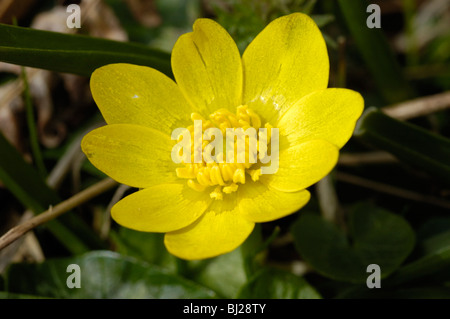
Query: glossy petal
[133, 94]
[161, 208]
[329, 114]
[207, 67]
[302, 165]
[133, 155]
[219, 230]
[285, 62]
[259, 203]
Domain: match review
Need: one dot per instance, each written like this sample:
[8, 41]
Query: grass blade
[376, 52]
[409, 143]
[70, 53]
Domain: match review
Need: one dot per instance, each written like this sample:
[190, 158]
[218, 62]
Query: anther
[212, 171]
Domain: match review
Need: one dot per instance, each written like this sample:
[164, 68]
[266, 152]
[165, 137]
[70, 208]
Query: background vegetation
[387, 202]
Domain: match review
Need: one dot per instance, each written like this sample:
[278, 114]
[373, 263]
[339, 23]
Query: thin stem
[64, 164]
[106, 218]
[419, 107]
[53, 212]
[329, 203]
[32, 130]
[375, 157]
[391, 190]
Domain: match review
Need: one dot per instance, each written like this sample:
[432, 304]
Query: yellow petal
[161, 208]
[133, 94]
[219, 230]
[302, 165]
[207, 67]
[259, 203]
[133, 155]
[285, 62]
[329, 114]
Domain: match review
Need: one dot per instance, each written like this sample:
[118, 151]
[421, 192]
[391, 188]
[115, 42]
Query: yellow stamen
[192, 184]
[239, 176]
[225, 177]
[254, 174]
[230, 189]
[217, 193]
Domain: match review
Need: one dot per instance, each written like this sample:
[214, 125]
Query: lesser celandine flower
[207, 209]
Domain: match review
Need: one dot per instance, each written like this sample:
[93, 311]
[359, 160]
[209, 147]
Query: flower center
[223, 150]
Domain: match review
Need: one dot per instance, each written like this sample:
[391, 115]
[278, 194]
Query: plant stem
[53, 212]
[32, 130]
[329, 203]
[392, 190]
[373, 157]
[419, 107]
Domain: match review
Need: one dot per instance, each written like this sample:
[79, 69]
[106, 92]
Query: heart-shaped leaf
[434, 252]
[102, 274]
[376, 237]
[273, 283]
[224, 274]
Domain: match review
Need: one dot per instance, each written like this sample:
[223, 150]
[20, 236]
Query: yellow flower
[208, 209]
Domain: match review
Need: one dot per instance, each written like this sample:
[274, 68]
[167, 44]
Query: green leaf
[144, 246]
[377, 237]
[103, 275]
[435, 261]
[273, 283]
[254, 249]
[432, 255]
[376, 52]
[71, 53]
[409, 143]
[436, 243]
[23, 181]
[426, 266]
[432, 227]
[224, 274]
